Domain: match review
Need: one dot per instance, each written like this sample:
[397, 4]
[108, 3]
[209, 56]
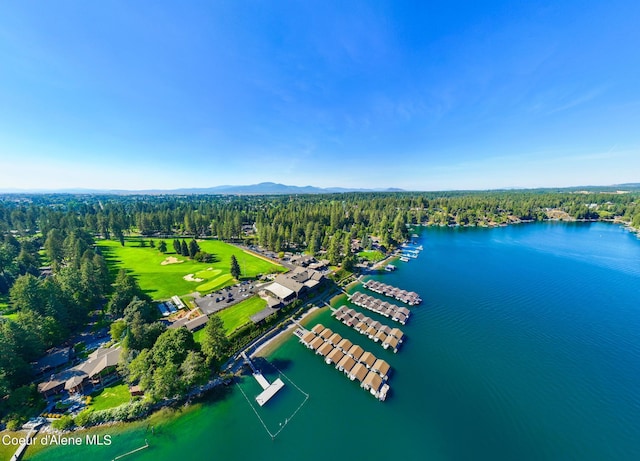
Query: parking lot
[221, 299]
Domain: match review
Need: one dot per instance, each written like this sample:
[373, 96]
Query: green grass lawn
[163, 281]
[373, 256]
[237, 315]
[110, 397]
[7, 450]
[198, 335]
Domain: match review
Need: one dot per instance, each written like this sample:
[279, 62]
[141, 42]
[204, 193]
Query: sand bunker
[191, 278]
[171, 260]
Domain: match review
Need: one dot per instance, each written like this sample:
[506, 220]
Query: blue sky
[424, 95]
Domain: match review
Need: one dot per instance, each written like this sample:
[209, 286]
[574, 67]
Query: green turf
[164, 281]
[208, 273]
[237, 315]
[110, 397]
[215, 284]
[7, 449]
[198, 335]
[373, 256]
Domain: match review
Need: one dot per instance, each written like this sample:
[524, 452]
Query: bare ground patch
[171, 260]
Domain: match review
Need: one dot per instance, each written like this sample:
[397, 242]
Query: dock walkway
[268, 389]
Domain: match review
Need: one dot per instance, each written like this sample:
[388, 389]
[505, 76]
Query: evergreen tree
[177, 247]
[235, 268]
[184, 249]
[125, 290]
[193, 248]
[162, 246]
[215, 342]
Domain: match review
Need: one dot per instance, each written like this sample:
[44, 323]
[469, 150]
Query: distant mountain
[264, 188]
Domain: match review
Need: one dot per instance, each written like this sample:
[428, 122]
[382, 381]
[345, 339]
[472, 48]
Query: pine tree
[235, 268]
[193, 248]
[176, 246]
[184, 249]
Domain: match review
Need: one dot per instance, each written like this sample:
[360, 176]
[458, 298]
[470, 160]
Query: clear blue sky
[424, 95]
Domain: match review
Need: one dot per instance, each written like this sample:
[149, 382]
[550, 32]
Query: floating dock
[377, 332]
[408, 297]
[356, 363]
[268, 389]
[395, 313]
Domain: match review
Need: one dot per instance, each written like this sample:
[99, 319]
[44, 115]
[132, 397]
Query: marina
[356, 363]
[384, 308]
[377, 332]
[408, 297]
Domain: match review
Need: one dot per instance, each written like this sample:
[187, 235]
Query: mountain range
[263, 188]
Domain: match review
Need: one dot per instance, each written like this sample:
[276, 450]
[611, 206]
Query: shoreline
[271, 345]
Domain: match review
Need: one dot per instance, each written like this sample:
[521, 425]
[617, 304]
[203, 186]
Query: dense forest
[52, 276]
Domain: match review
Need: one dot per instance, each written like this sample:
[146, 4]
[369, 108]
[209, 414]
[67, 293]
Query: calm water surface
[526, 348]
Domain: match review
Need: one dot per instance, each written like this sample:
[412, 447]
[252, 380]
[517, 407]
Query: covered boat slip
[408, 297]
[377, 332]
[351, 359]
[396, 313]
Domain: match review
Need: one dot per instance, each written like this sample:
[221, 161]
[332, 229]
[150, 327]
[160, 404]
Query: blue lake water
[526, 347]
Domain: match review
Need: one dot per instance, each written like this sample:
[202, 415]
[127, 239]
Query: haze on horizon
[416, 95]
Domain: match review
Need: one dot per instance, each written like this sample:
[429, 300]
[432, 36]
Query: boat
[404, 259]
[390, 268]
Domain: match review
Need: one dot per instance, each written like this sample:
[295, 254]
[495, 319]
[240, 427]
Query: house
[302, 260]
[99, 366]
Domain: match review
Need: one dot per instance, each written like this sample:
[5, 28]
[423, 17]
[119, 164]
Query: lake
[526, 347]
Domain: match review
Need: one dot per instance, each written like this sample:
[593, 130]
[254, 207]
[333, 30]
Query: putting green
[214, 284]
[209, 273]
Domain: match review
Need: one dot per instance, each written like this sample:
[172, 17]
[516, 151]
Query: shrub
[14, 424]
[64, 423]
[83, 417]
